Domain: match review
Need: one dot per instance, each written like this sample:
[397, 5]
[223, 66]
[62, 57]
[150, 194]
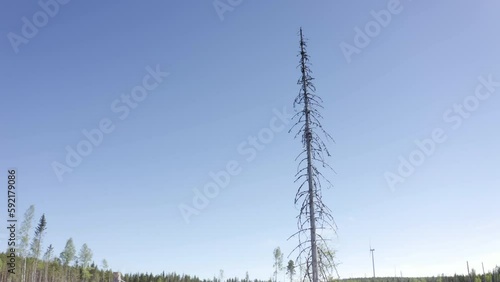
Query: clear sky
[415, 77]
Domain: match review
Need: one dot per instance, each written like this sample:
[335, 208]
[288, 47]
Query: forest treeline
[55, 270]
[491, 276]
[38, 262]
[51, 271]
[28, 259]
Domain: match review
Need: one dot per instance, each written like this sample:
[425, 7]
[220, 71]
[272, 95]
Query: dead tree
[313, 215]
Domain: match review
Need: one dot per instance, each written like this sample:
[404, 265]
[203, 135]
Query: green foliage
[85, 274]
[69, 252]
[456, 278]
[104, 264]
[278, 262]
[24, 231]
[85, 256]
[56, 272]
[290, 269]
[42, 226]
[24, 239]
[49, 253]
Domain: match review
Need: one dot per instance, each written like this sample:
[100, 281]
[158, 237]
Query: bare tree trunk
[23, 276]
[314, 214]
[308, 133]
[46, 274]
[35, 265]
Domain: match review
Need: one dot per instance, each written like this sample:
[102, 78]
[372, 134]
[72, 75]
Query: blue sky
[228, 75]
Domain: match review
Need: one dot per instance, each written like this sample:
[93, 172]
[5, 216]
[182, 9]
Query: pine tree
[36, 245]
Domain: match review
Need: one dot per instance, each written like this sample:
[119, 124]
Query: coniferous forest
[54, 270]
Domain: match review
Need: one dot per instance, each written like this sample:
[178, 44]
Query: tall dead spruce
[314, 215]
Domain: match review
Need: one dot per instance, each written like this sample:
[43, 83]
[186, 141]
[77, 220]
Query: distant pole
[468, 272]
[484, 274]
[373, 263]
